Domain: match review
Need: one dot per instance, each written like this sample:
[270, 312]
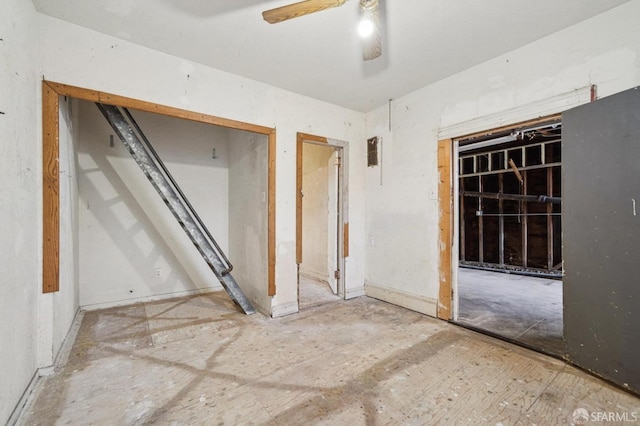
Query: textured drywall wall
[131, 246]
[66, 301]
[402, 207]
[248, 231]
[19, 201]
[57, 310]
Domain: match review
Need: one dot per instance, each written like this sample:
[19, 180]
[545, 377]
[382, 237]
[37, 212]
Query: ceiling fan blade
[294, 10]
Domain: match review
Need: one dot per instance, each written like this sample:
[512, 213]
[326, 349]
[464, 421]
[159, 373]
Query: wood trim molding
[50, 191]
[123, 101]
[311, 138]
[445, 240]
[50, 148]
[346, 239]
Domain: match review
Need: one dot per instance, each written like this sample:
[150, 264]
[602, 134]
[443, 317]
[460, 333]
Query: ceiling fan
[368, 28]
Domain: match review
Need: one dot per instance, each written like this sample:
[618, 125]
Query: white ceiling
[319, 55]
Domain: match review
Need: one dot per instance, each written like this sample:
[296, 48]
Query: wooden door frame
[343, 250]
[51, 92]
[447, 214]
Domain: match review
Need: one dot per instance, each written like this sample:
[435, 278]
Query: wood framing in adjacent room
[51, 92]
[509, 201]
[446, 196]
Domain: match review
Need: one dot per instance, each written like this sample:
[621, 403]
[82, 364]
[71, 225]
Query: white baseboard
[61, 358]
[152, 298]
[22, 403]
[284, 309]
[352, 293]
[46, 371]
[263, 310]
[422, 304]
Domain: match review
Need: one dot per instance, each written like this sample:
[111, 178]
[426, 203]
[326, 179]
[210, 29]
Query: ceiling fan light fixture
[369, 29]
[366, 27]
[368, 11]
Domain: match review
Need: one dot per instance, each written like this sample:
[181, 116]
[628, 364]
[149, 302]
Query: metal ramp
[147, 158]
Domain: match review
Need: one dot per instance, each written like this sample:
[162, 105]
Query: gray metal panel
[601, 227]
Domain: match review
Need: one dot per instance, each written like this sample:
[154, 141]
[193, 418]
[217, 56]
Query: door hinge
[337, 163]
[336, 274]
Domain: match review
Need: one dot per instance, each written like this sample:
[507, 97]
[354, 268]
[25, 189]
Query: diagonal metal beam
[160, 178]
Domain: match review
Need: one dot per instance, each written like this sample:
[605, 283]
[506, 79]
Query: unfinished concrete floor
[198, 360]
[522, 308]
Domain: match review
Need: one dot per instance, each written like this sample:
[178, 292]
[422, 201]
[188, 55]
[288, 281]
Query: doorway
[131, 246]
[599, 229]
[508, 213]
[320, 237]
[53, 92]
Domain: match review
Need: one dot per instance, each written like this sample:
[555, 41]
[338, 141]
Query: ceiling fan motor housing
[368, 4]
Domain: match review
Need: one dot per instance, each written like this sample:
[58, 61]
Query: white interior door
[332, 220]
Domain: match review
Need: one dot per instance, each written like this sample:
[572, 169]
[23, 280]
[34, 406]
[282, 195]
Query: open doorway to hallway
[319, 254]
[510, 247]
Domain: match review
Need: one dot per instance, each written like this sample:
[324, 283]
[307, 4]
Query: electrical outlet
[158, 272]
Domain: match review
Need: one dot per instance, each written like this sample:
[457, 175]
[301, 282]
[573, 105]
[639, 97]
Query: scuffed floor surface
[199, 361]
[314, 292]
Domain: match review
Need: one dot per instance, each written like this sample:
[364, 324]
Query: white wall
[76, 56]
[402, 211]
[315, 208]
[56, 311]
[20, 165]
[248, 215]
[66, 301]
[131, 246]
